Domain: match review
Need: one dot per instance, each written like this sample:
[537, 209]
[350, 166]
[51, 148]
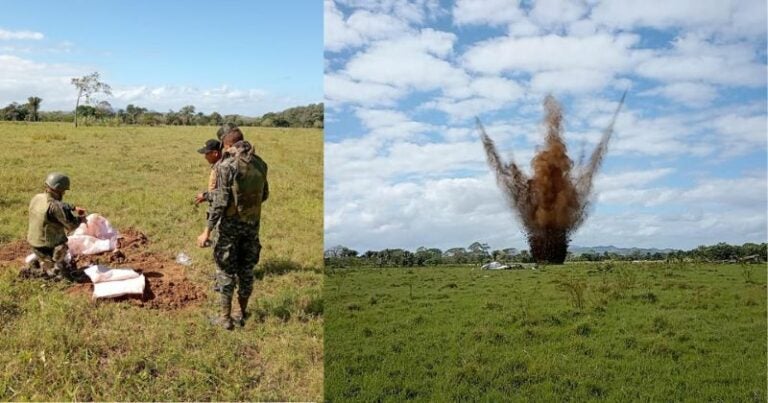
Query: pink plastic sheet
[96, 235]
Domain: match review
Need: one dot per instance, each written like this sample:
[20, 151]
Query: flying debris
[554, 201]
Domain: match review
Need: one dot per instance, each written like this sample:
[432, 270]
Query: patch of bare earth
[167, 287]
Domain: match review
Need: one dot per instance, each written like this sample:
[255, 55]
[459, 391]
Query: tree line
[479, 253]
[102, 113]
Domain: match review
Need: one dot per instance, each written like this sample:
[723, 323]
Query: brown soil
[15, 251]
[167, 285]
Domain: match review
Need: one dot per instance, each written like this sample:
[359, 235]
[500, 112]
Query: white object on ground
[94, 236]
[32, 257]
[183, 259]
[494, 266]
[110, 283]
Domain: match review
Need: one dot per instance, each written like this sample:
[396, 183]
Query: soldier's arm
[220, 195]
[64, 214]
[265, 194]
[211, 186]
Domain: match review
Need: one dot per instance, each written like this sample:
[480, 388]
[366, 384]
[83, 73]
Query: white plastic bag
[112, 289]
[94, 236]
[110, 283]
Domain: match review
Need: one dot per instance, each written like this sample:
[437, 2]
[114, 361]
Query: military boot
[240, 317]
[225, 309]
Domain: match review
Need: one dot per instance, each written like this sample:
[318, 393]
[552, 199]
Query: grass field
[58, 346]
[621, 332]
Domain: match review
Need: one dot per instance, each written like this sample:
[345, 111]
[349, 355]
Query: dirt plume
[554, 201]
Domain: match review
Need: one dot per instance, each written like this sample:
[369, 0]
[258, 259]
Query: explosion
[554, 202]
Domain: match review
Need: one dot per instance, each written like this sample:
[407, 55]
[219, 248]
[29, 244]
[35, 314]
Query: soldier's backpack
[248, 187]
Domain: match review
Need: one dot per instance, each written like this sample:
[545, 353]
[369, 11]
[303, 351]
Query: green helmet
[224, 129]
[57, 181]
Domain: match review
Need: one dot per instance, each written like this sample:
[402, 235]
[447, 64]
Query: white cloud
[409, 62]
[732, 17]
[410, 214]
[741, 134]
[557, 12]
[390, 125]
[570, 81]
[6, 35]
[695, 58]
[371, 158]
[484, 94]
[340, 89]
[491, 12]
[337, 34]
[21, 78]
[599, 52]
[686, 93]
[412, 11]
[629, 179]
[360, 28]
[458, 110]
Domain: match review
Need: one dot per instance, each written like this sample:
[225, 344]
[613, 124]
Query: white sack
[110, 283]
[100, 274]
[111, 289]
[94, 236]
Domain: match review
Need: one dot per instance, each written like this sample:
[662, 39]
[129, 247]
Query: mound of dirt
[167, 287]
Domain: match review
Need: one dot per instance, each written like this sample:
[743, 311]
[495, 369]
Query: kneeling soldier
[49, 221]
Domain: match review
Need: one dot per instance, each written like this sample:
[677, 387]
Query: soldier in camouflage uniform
[212, 153]
[49, 221]
[241, 188]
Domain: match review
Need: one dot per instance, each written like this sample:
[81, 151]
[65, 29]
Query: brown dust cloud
[554, 201]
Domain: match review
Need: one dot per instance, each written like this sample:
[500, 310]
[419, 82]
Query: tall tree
[87, 86]
[33, 105]
[186, 113]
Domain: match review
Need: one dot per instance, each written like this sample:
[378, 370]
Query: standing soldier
[241, 188]
[212, 153]
[49, 221]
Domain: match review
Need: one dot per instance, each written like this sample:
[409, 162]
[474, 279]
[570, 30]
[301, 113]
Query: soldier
[241, 188]
[226, 128]
[49, 221]
[212, 153]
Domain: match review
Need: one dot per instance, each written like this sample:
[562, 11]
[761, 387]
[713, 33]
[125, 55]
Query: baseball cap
[210, 145]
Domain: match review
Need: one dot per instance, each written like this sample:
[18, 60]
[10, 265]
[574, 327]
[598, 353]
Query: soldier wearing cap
[49, 221]
[235, 210]
[212, 153]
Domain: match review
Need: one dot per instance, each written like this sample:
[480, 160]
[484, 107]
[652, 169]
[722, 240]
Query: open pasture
[616, 332]
[55, 344]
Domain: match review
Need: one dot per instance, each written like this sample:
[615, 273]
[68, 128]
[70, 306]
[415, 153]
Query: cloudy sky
[404, 166]
[227, 56]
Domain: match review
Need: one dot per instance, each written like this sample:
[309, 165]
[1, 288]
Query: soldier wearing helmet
[49, 221]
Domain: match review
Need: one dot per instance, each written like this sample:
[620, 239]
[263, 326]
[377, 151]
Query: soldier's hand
[80, 211]
[199, 198]
[202, 240]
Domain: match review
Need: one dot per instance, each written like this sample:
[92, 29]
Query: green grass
[56, 346]
[628, 332]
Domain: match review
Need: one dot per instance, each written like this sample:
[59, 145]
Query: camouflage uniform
[49, 221]
[236, 251]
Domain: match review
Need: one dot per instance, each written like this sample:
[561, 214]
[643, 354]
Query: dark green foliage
[310, 116]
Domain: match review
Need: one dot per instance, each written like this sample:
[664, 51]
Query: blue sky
[404, 79]
[242, 57]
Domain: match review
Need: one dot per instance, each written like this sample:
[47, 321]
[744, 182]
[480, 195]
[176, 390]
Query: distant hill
[578, 250]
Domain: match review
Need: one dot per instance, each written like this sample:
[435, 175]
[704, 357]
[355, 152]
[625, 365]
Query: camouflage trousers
[236, 253]
[51, 262]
